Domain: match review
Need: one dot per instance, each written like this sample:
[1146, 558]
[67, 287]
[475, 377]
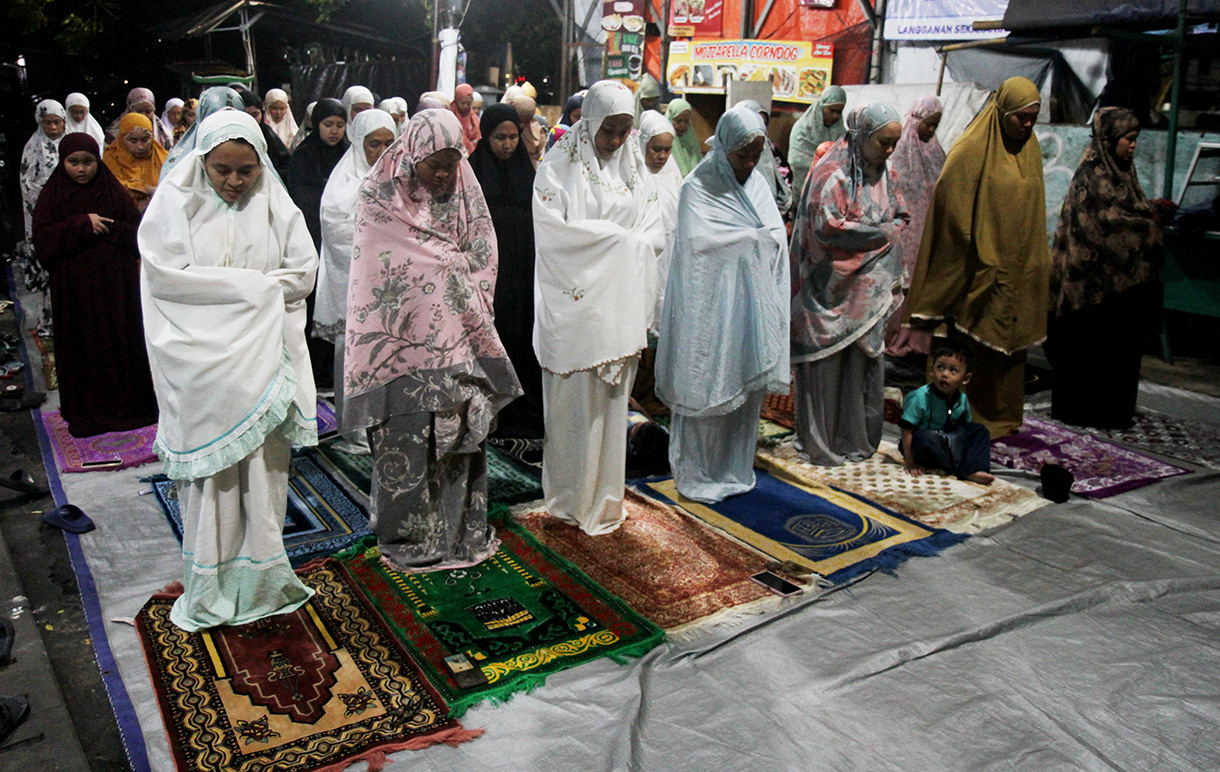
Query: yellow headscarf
[135, 173]
[983, 262]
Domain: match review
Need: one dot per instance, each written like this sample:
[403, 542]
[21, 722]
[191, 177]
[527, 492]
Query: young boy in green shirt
[937, 431]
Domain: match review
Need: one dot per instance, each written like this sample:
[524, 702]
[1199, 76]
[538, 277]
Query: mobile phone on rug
[777, 584]
[464, 671]
[108, 464]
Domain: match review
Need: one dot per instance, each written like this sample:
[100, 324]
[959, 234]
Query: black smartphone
[777, 584]
[109, 464]
[464, 671]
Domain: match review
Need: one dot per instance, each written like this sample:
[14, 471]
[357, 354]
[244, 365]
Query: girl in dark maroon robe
[85, 236]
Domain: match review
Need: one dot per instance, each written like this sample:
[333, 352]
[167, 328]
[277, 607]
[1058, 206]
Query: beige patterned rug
[937, 500]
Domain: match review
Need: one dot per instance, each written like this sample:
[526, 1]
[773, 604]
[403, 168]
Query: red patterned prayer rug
[673, 570]
[311, 691]
[780, 409]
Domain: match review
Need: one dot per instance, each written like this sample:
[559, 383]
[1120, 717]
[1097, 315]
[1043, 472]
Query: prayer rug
[100, 452]
[835, 534]
[356, 469]
[1101, 468]
[780, 409]
[321, 518]
[771, 433]
[46, 349]
[317, 689]
[508, 481]
[327, 423]
[1197, 442]
[519, 616]
[938, 500]
[678, 573]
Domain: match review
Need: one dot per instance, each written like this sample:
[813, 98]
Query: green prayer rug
[508, 482]
[519, 616]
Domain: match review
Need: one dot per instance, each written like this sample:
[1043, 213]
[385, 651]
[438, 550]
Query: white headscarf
[432, 100]
[354, 96]
[339, 224]
[724, 332]
[90, 125]
[224, 288]
[287, 128]
[668, 180]
[598, 233]
[38, 160]
[166, 123]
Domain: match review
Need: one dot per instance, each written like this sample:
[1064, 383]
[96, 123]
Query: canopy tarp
[1056, 15]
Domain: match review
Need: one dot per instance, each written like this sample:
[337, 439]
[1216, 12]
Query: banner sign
[798, 70]
[695, 18]
[941, 19]
[623, 21]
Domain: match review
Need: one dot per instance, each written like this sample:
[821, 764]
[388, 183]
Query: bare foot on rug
[984, 478]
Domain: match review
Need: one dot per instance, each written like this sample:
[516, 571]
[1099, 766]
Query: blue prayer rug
[321, 519]
[833, 533]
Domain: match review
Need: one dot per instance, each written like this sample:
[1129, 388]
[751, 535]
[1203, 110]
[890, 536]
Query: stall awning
[1056, 15]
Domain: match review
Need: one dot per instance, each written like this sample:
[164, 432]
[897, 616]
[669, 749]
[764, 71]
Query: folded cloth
[69, 518]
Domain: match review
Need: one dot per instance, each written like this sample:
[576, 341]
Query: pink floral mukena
[420, 296]
[846, 262]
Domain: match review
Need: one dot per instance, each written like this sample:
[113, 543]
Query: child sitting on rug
[937, 431]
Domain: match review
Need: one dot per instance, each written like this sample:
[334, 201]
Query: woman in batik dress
[424, 368]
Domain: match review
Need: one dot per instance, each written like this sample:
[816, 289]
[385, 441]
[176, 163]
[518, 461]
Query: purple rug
[102, 452]
[1101, 468]
[327, 423]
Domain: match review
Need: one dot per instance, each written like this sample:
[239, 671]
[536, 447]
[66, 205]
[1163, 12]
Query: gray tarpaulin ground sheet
[1083, 636]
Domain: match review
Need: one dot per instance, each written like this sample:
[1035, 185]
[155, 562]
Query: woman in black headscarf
[85, 236]
[313, 161]
[308, 171]
[1105, 281]
[277, 151]
[506, 175]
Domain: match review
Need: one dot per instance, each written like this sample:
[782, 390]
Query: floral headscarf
[918, 165]
[1107, 241]
[845, 261]
[423, 266]
[598, 233]
[39, 159]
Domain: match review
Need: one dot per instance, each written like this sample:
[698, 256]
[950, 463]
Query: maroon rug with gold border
[314, 690]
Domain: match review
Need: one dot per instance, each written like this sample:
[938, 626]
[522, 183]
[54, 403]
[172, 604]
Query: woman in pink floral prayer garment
[846, 279]
[425, 370]
[917, 162]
